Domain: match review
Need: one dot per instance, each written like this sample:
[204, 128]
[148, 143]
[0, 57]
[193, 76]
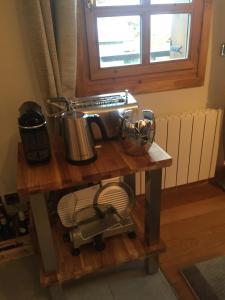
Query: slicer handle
[99, 212]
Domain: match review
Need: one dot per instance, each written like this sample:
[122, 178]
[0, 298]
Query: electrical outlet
[12, 199]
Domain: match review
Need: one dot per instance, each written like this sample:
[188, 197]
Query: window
[142, 45]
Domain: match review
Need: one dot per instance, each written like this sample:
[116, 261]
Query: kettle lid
[136, 116]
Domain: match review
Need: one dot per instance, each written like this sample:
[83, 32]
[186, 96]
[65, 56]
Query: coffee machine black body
[34, 133]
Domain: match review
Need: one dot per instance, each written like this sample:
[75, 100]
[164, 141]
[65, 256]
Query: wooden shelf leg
[152, 214]
[56, 292]
[44, 233]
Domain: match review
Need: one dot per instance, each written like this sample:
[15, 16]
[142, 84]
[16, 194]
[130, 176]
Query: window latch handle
[222, 50]
[90, 4]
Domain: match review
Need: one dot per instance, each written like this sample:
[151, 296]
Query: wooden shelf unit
[58, 265]
[119, 249]
[59, 174]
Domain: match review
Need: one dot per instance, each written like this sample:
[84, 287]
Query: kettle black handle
[98, 121]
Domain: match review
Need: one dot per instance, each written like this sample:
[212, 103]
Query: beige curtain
[51, 28]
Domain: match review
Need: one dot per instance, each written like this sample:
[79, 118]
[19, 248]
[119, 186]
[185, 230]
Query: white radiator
[192, 140]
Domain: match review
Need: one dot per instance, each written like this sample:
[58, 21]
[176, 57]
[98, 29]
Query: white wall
[175, 102]
[17, 84]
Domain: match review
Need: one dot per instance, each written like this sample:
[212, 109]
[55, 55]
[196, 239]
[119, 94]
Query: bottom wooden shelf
[119, 249]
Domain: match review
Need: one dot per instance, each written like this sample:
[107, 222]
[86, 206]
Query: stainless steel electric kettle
[78, 136]
[77, 133]
[137, 131]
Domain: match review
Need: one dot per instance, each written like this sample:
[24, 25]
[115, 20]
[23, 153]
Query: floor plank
[193, 229]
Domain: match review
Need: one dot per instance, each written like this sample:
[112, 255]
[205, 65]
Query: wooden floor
[193, 229]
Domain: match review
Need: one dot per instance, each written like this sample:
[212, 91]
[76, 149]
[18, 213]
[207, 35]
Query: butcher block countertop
[58, 173]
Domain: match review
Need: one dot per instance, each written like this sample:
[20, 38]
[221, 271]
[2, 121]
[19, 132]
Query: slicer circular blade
[118, 194]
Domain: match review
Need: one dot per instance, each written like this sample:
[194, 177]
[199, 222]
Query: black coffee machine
[33, 132]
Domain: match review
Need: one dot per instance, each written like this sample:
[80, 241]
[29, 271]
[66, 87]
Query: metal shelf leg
[152, 215]
[56, 292]
[44, 233]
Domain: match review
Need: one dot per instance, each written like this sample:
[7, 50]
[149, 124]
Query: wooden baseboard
[188, 185]
[185, 186]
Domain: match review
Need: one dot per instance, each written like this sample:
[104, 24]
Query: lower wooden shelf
[119, 249]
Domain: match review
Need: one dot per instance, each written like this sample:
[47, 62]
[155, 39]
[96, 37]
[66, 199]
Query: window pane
[116, 2]
[169, 1]
[119, 41]
[169, 36]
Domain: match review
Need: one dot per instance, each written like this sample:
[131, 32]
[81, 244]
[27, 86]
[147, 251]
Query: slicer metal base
[77, 240]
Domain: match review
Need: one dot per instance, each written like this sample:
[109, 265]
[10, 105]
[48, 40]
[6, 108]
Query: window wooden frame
[148, 77]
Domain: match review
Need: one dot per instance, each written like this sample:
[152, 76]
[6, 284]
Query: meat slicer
[93, 214]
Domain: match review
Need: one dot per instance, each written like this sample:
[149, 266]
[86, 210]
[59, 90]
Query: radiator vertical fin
[142, 182]
[184, 149]
[216, 143]
[196, 146]
[138, 183]
[207, 147]
[161, 139]
[172, 149]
